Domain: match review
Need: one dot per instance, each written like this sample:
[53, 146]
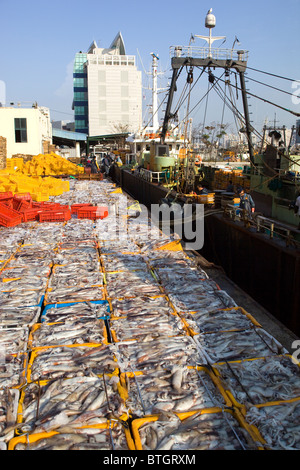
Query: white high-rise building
[107, 90]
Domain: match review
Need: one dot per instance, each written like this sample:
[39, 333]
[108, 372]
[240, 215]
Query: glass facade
[80, 93]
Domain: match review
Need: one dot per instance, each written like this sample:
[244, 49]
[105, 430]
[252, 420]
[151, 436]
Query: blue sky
[38, 44]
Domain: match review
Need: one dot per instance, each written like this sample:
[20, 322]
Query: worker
[106, 162]
[94, 164]
[201, 189]
[230, 187]
[239, 188]
[246, 202]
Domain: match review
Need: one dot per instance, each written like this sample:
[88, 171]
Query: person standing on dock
[246, 202]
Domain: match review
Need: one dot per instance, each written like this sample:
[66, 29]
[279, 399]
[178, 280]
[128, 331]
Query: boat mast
[155, 123]
[209, 58]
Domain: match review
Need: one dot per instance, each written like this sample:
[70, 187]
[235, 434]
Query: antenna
[210, 22]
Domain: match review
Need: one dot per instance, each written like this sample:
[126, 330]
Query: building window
[80, 96]
[80, 124]
[21, 129]
[79, 82]
[82, 110]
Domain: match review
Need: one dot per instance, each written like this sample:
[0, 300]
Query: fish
[134, 284]
[12, 370]
[69, 332]
[123, 262]
[140, 306]
[13, 340]
[201, 302]
[278, 425]
[207, 431]
[104, 438]
[19, 317]
[69, 403]
[161, 351]
[268, 379]
[21, 298]
[64, 362]
[74, 294]
[141, 327]
[233, 345]
[175, 388]
[82, 310]
[8, 412]
[218, 320]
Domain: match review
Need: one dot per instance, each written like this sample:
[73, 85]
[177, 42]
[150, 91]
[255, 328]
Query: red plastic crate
[55, 216]
[76, 207]
[9, 217]
[6, 195]
[26, 196]
[49, 206]
[29, 215]
[8, 202]
[92, 212]
[21, 204]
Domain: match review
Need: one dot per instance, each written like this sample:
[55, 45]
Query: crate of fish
[146, 327]
[116, 247]
[238, 345]
[87, 254]
[123, 263]
[32, 282]
[25, 273]
[192, 286]
[172, 389]
[19, 317]
[188, 275]
[157, 259]
[68, 332]
[75, 274]
[141, 305]
[159, 352]
[201, 302]
[69, 361]
[277, 424]
[14, 340]
[133, 284]
[62, 295]
[110, 436]
[232, 319]
[92, 400]
[206, 429]
[260, 381]
[22, 298]
[87, 310]
[8, 414]
[12, 370]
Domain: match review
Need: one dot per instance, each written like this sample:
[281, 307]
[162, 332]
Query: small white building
[25, 129]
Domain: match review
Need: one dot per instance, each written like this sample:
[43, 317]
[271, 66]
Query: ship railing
[265, 225]
[205, 52]
[152, 176]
